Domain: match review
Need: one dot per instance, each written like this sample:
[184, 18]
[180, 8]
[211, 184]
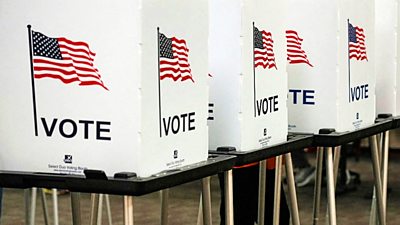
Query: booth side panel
[87, 107]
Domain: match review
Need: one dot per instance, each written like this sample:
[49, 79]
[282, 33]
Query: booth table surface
[337, 139]
[134, 186]
[396, 122]
[294, 142]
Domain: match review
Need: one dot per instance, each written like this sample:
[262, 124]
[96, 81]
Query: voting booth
[330, 49]
[118, 86]
[387, 66]
[248, 78]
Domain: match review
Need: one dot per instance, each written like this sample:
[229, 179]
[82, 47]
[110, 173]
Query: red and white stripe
[358, 50]
[295, 53]
[177, 68]
[76, 65]
[265, 57]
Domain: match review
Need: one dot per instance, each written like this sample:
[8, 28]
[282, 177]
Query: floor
[352, 208]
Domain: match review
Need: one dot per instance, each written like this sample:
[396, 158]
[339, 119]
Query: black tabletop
[396, 122]
[337, 139]
[120, 186]
[294, 142]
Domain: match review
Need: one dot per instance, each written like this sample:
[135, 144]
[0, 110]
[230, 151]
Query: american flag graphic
[295, 53]
[65, 60]
[357, 47]
[174, 59]
[263, 49]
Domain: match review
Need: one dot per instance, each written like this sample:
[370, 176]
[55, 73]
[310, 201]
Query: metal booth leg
[330, 187]
[385, 166]
[100, 210]
[108, 206]
[378, 180]
[99, 216]
[30, 205]
[76, 208]
[336, 160]
[206, 200]
[128, 210]
[44, 206]
[317, 185]
[94, 209]
[294, 208]
[374, 212]
[164, 206]
[383, 153]
[55, 205]
[261, 191]
[228, 181]
[277, 195]
[200, 213]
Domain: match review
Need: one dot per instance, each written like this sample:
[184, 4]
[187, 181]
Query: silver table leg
[76, 208]
[200, 213]
[228, 180]
[336, 160]
[374, 212]
[100, 210]
[277, 195]
[261, 191]
[164, 206]
[44, 206]
[294, 208]
[330, 187]
[55, 205]
[383, 153]
[97, 209]
[128, 210]
[378, 180]
[372, 216]
[108, 206]
[27, 200]
[206, 200]
[94, 209]
[385, 165]
[317, 185]
[32, 207]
